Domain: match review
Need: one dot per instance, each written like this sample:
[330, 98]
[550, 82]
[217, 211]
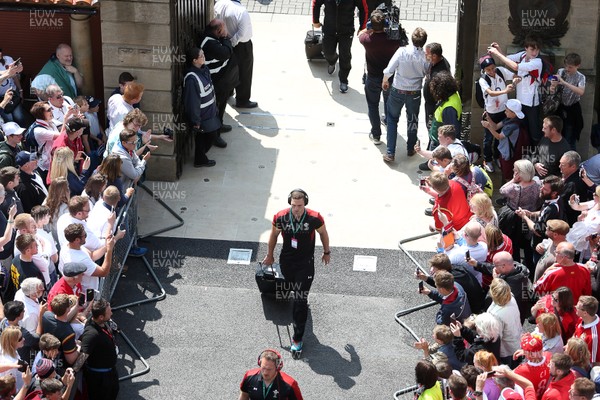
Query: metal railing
[127, 220]
[410, 389]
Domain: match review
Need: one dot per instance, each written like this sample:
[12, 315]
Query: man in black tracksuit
[338, 31]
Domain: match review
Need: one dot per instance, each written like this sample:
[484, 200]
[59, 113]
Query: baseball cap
[514, 105]
[531, 343]
[75, 124]
[509, 394]
[93, 101]
[486, 61]
[73, 269]
[12, 128]
[23, 157]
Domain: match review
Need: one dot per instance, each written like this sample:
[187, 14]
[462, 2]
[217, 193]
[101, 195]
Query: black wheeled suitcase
[269, 279]
[313, 45]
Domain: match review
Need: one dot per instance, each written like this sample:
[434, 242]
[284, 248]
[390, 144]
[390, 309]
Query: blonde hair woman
[63, 166]
[483, 212]
[505, 308]
[548, 326]
[579, 352]
[10, 341]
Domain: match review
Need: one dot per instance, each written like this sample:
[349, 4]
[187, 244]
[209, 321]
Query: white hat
[514, 105]
[12, 128]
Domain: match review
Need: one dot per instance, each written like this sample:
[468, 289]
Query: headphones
[278, 362]
[303, 194]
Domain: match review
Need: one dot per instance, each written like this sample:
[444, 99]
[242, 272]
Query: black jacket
[30, 192]
[339, 15]
[469, 283]
[574, 185]
[520, 287]
[223, 66]
[476, 344]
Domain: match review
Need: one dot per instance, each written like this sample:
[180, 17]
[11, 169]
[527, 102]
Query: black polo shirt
[283, 387]
[298, 235]
[99, 343]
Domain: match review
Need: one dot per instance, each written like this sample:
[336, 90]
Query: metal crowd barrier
[166, 207]
[127, 220]
[410, 389]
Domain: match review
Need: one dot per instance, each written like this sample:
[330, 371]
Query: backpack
[472, 187]
[542, 78]
[473, 150]
[30, 144]
[479, 95]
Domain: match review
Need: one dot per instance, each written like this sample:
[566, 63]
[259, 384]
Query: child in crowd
[495, 94]
[572, 84]
[507, 133]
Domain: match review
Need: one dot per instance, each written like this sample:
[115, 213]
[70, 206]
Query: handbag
[508, 220]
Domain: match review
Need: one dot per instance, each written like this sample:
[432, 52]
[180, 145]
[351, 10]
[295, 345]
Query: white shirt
[117, 109]
[91, 241]
[457, 148]
[237, 20]
[478, 252]
[495, 104]
[58, 114]
[409, 66]
[98, 219]
[32, 312]
[510, 318]
[8, 83]
[44, 136]
[82, 256]
[527, 89]
[6, 359]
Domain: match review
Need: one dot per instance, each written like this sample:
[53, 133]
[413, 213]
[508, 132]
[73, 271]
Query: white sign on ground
[239, 256]
[365, 263]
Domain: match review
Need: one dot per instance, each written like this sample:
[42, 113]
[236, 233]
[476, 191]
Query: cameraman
[379, 50]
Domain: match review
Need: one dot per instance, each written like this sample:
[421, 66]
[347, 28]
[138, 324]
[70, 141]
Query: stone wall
[137, 37]
[582, 38]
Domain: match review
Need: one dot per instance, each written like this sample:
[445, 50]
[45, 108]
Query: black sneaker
[429, 211]
[424, 166]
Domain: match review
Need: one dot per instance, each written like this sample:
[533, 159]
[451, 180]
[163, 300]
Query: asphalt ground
[212, 325]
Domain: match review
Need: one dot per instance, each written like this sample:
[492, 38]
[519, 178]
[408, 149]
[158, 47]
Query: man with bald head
[60, 67]
[477, 250]
[565, 272]
[517, 277]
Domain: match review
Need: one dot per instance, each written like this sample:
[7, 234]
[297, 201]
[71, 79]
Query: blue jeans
[373, 94]
[394, 106]
[18, 116]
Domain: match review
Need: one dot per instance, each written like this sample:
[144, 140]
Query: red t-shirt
[62, 287]
[454, 204]
[589, 333]
[575, 277]
[537, 373]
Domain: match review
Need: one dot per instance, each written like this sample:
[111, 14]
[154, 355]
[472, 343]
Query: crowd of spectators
[517, 283]
[63, 181]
